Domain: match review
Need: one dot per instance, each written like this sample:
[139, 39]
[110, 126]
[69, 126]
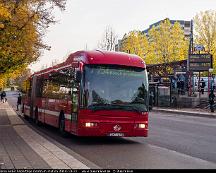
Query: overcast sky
[83, 22]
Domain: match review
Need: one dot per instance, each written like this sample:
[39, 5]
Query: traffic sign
[199, 47]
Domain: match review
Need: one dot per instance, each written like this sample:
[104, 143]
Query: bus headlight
[141, 126]
[90, 124]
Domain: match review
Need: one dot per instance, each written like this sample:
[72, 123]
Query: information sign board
[200, 62]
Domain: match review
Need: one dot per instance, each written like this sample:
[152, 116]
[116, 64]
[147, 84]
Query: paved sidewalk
[21, 147]
[15, 153]
[187, 111]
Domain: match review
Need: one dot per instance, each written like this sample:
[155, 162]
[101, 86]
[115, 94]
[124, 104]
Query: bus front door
[74, 110]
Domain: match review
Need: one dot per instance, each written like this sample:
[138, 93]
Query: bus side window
[45, 88]
[40, 87]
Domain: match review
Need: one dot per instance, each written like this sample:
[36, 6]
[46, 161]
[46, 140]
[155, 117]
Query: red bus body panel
[106, 120]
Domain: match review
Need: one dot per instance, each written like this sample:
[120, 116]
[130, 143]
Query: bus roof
[98, 57]
[107, 57]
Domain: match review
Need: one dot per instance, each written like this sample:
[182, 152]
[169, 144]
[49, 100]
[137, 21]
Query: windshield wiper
[99, 106]
[102, 106]
[138, 100]
[126, 107]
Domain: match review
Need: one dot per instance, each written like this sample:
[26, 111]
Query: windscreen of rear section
[112, 87]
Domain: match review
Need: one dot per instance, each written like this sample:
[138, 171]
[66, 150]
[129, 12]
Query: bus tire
[62, 125]
[37, 122]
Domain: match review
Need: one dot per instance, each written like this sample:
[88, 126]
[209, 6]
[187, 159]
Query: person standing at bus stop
[202, 86]
[18, 101]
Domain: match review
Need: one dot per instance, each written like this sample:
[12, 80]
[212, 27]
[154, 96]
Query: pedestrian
[19, 101]
[3, 96]
[151, 97]
[178, 86]
[214, 85]
[211, 100]
[202, 86]
[182, 87]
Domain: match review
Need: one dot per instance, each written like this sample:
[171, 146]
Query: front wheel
[37, 122]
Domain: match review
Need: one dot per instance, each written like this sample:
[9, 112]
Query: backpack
[3, 94]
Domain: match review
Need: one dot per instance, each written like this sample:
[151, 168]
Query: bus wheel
[37, 122]
[62, 126]
[26, 117]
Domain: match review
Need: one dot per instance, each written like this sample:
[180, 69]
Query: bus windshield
[116, 87]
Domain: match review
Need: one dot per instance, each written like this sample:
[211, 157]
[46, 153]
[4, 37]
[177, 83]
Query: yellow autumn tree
[135, 43]
[22, 26]
[168, 43]
[21, 79]
[4, 14]
[12, 74]
[205, 32]
[164, 43]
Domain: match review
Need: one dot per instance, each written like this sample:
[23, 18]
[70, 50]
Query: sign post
[209, 79]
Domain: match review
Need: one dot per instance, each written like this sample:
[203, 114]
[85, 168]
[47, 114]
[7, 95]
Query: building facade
[186, 26]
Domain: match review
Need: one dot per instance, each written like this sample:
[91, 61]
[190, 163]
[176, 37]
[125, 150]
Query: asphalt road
[175, 141]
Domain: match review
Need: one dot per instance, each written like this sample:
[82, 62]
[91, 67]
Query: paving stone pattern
[21, 147]
[15, 153]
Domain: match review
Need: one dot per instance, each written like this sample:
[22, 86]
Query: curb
[179, 112]
[77, 156]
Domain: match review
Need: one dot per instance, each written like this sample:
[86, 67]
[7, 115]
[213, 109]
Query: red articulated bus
[92, 93]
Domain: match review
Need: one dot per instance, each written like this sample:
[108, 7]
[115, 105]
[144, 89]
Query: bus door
[74, 107]
[27, 99]
[33, 97]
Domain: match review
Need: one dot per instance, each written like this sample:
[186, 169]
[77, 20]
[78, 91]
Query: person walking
[182, 86]
[211, 100]
[178, 86]
[3, 96]
[19, 100]
[151, 97]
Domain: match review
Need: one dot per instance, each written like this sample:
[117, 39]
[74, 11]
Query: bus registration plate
[116, 134]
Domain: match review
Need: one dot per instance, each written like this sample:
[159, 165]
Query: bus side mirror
[78, 76]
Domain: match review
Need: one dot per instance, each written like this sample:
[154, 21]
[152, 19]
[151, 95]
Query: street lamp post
[209, 75]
